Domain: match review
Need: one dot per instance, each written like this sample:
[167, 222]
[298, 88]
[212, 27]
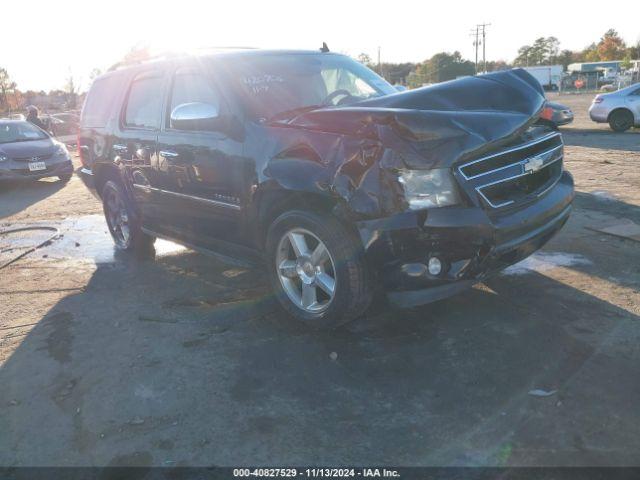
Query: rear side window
[98, 105]
[191, 86]
[144, 103]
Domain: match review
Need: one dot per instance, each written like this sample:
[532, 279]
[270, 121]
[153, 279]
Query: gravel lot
[181, 360]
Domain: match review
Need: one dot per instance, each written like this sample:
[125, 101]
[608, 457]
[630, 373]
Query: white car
[621, 109]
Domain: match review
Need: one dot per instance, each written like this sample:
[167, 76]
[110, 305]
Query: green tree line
[543, 51]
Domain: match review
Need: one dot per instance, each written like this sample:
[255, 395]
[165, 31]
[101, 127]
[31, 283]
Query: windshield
[273, 84]
[20, 132]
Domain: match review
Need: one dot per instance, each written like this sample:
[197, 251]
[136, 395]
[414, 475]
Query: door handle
[168, 154]
[143, 153]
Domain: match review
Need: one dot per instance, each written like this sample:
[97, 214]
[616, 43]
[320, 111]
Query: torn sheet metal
[431, 127]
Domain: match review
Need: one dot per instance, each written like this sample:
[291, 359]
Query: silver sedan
[621, 109]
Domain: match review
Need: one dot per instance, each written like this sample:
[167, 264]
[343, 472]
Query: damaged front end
[446, 184]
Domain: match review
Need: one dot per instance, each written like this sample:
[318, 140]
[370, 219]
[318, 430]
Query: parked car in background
[610, 87]
[27, 151]
[14, 116]
[62, 124]
[621, 109]
[560, 114]
[316, 168]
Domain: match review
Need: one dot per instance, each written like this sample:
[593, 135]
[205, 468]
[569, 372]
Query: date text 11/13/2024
[316, 472]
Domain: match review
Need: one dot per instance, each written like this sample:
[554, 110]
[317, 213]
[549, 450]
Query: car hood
[34, 148]
[444, 122]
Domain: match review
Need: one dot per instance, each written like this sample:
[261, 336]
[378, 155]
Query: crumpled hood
[445, 122]
[35, 148]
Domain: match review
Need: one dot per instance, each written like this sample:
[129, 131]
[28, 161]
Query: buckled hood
[444, 122]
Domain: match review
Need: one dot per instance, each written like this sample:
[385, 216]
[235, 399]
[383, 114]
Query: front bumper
[470, 242]
[599, 113]
[13, 170]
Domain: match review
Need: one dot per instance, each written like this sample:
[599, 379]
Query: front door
[633, 100]
[201, 171]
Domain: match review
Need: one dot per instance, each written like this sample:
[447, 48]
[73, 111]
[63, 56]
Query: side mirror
[195, 116]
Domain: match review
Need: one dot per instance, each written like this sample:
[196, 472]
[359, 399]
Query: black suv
[315, 167]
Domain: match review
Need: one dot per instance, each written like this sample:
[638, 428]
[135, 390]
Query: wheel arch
[103, 172]
[274, 202]
[620, 109]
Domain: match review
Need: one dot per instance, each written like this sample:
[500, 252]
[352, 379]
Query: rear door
[201, 171]
[135, 145]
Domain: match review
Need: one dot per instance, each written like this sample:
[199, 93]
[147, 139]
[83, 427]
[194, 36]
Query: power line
[475, 33]
[480, 30]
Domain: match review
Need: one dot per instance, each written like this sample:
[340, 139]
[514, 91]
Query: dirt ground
[182, 360]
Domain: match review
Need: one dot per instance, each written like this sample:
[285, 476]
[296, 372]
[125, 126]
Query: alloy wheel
[118, 219]
[306, 270]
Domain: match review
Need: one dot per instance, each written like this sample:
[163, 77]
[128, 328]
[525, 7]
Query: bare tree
[7, 86]
[95, 73]
[135, 55]
[71, 90]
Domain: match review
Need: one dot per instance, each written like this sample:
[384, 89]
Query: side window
[144, 103]
[97, 106]
[190, 86]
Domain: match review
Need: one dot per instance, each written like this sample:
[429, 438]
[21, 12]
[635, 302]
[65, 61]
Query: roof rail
[151, 58]
[227, 47]
[169, 55]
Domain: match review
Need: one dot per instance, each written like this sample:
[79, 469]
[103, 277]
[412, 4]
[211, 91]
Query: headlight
[429, 188]
[3, 158]
[62, 150]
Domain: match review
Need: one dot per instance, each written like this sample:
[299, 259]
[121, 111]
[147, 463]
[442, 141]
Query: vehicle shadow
[602, 139]
[607, 205]
[15, 196]
[184, 361]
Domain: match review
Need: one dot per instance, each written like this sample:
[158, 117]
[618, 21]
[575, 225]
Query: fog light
[434, 266]
[414, 269]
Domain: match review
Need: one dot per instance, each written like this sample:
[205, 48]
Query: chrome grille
[512, 175]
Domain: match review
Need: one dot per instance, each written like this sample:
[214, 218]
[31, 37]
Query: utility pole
[484, 26]
[379, 64]
[475, 33]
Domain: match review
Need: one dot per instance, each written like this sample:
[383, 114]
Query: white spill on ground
[83, 239]
[604, 195]
[543, 261]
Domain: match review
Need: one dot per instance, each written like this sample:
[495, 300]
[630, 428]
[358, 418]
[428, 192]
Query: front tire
[316, 269]
[122, 220]
[65, 178]
[621, 121]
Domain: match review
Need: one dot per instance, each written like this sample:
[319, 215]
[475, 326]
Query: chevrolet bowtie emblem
[533, 164]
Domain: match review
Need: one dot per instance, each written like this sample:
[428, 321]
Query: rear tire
[122, 220]
[317, 270]
[65, 178]
[621, 121]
